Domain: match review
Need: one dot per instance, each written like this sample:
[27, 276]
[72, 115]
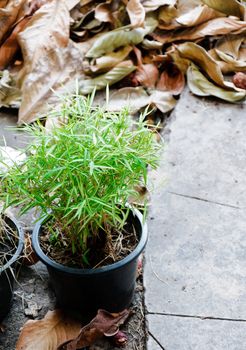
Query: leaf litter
[45, 45]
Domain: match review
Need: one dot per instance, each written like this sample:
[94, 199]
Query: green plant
[82, 173]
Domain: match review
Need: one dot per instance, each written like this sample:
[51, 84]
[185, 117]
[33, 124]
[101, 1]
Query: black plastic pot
[87, 290]
[7, 272]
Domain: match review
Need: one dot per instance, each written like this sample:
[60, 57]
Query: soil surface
[33, 297]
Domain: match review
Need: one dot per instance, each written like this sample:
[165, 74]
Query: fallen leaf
[104, 323]
[167, 16]
[8, 16]
[235, 64]
[201, 86]
[197, 16]
[110, 41]
[163, 100]
[46, 48]
[3, 3]
[136, 13]
[134, 98]
[230, 8]
[199, 55]
[151, 44]
[10, 47]
[172, 80]
[48, 333]
[152, 5]
[239, 79]
[103, 13]
[116, 74]
[110, 60]
[71, 3]
[230, 44]
[216, 26]
[147, 75]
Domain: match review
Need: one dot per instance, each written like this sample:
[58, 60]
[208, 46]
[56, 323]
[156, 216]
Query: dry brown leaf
[226, 63]
[9, 15]
[182, 7]
[3, 3]
[104, 323]
[199, 55]
[172, 80]
[146, 74]
[166, 16]
[201, 86]
[48, 333]
[230, 8]
[163, 100]
[103, 13]
[230, 45]
[242, 53]
[216, 26]
[152, 5]
[46, 48]
[107, 62]
[198, 15]
[10, 47]
[71, 3]
[134, 98]
[136, 13]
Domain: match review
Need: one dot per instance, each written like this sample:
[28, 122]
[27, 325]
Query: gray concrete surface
[196, 256]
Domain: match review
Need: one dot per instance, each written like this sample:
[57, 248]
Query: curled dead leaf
[103, 323]
[10, 46]
[201, 86]
[110, 41]
[110, 60]
[116, 74]
[200, 57]
[172, 80]
[216, 26]
[9, 14]
[48, 333]
[230, 8]
[136, 13]
[103, 13]
[46, 48]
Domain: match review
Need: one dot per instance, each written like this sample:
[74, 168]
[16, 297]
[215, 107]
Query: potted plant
[81, 176]
[11, 246]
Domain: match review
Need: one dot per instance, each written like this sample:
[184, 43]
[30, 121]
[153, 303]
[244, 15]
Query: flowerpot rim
[20, 245]
[91, 271]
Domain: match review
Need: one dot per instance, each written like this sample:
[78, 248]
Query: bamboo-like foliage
[82, 173]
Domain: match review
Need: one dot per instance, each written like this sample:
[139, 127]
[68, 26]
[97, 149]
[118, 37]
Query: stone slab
[206, 153]
[179, 333]
[196, 255]
[196, 258]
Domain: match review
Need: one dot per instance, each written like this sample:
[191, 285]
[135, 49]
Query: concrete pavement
[195, 271]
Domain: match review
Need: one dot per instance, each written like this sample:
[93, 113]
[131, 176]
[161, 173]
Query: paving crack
[156, 340]
[204, 200]
[197, 317]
